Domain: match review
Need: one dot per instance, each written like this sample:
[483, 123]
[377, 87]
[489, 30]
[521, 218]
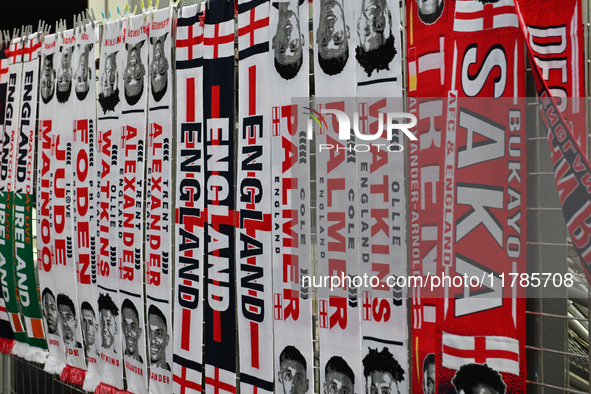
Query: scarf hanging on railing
[253, 200]
[337, 201]
[381, 192]
[219, 266]
[22, 230]
[190, 203]
[63, 134]
[292, 299]
[6, 335]
[7, 179]
[426, 27]
[482, 335]
[159, 212]
[111, 75]
[50, 273]
[85, 205]
[130, 253]
[571, 168]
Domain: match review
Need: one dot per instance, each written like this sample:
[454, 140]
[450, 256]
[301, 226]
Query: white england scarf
[253, 200]
[109, 136]
[85, 198]
[159, 211]
[49, 271]
[190, 204]
[63, 209]
[337, 202]
[292, 301]
[131, 180]
[382, 249]
[23, 202]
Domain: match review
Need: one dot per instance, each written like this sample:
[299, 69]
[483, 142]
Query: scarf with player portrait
[337, 199]
[190, 203]
[131, 180]
[482, 331]
[381, 191]
[218, 113]
[159, 202]
[427, 27]
[85, 200]
[292, 299]
[253, 200]
[110, 97]
[63, 134]
[49, 271]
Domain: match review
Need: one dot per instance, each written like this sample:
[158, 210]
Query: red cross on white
[500, 353]
[218, 40]
[472, 15]
[219, 381]
[248, 24]
[190, 37]
[188, 384]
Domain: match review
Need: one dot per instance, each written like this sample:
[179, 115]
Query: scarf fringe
[73, 375]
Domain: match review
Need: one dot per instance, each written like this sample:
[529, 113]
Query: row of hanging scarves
[450, 342]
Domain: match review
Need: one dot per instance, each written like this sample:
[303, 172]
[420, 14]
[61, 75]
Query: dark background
[15, 13]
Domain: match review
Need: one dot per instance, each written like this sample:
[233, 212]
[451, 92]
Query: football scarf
[131, 181]
[85, 201]
[49, 272]
[109, 136]
[571, 168]
[23, 201]
[427, 90]
[484, 222]
[292, 299]
[555, 37]
[220, 291]
[190, 204]
[6, 336]
[159, 202]
[381, 191]
[253, 201]
[337, 200]
[63, 210]
[7, 180]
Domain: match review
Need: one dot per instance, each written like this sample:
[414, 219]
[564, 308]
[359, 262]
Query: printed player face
[88, 327]
[292, 377]
[110, 76]
[338, 383]
[108, 327]
[64, 72]
[429, 379]
[159, 68]
[379, 382]
[373, 25]
[428, 7]
[158, 340]
[50, 312]
[68, 321]
[131, 330]
[332, 35]
[47, 78]
[81, 77]
[134, 73]
[288, 40]
[481, 389]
